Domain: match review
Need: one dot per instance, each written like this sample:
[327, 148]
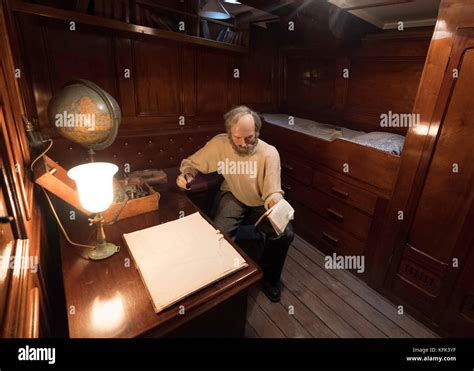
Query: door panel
[447, 194]
[7, 243]
[438, 241]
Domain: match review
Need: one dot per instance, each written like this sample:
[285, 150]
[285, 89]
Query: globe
[84, 113]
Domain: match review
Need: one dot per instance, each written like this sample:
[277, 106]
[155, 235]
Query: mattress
[383, 141]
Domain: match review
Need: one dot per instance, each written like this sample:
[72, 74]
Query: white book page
[180, 257]
[281, 214]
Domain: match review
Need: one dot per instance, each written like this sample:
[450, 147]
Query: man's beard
[247, 151]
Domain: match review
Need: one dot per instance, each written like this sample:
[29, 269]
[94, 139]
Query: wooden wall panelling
[15, 138]
[158, 78]
[79, 54]
[235, 84]
[35, 61]
[384, 72]
[213, 83]
[63, 55]
[164, 148]
[126, 87]
[445, 190]
[419, 144]
[7, 244]
[343, 65]
[258, 72]
[14, 310]
[395, 44]
[310, 85]
[9, 163]
[168, 79]
[30, 247]
[379, 85]
[458, 316]
[23, 100]
[189, 80]
[447, 196]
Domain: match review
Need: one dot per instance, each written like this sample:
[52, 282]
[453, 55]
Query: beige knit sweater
[252, 179]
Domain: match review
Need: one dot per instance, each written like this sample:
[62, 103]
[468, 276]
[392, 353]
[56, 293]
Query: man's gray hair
[236, 113]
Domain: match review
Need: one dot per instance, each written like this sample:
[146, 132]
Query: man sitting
[252, 184]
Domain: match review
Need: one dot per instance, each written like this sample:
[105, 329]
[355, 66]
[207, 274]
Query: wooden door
[7, 247]
[22, 244]
[437, 245]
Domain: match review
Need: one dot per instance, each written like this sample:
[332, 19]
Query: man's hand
[183, 181]
[275, 199]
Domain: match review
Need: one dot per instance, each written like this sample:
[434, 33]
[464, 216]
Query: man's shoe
[272, 292]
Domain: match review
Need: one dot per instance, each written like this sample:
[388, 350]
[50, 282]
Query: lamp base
[103, 251]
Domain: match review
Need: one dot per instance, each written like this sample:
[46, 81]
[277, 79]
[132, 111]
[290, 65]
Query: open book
[279, 215]
[178, 258]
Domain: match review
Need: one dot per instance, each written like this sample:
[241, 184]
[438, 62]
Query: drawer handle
[335, 213]
[334, 240]
[339, 192]
[287, 167]
[286, 187]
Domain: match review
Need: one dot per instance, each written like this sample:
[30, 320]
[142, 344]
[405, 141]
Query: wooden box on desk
[53, 177]
[135, 206]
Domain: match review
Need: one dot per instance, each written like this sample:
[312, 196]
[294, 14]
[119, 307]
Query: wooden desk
[108, 298]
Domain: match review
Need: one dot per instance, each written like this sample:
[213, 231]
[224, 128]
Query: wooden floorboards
[324, 303]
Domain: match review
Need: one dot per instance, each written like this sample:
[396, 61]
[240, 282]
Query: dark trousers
[229, 213]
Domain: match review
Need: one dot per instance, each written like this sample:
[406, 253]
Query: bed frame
[339, 189]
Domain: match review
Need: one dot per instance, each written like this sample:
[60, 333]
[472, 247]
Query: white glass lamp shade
[94, 183]
[232, 1]
[213, 9]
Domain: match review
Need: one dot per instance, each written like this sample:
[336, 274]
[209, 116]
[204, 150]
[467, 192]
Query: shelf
[151, 4]
[114, 25]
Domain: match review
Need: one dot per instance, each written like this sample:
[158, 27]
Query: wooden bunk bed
[339, 188]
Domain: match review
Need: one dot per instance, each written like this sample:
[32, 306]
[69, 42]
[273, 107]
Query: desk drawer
[294, 168]
[324, 234]
[349, 194]
[332, 209]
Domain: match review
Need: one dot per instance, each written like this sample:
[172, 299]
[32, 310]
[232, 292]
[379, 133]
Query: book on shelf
[170, 24]
[157, 22]
[221, 35]
[147, 21]
[229, 36]
[205, 29]
[226, 35]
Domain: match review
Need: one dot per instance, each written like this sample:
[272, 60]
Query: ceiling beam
[277, 7]
[342, 4]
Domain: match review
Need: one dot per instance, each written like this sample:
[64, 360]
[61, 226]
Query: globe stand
[103, 248]
[91, 154]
